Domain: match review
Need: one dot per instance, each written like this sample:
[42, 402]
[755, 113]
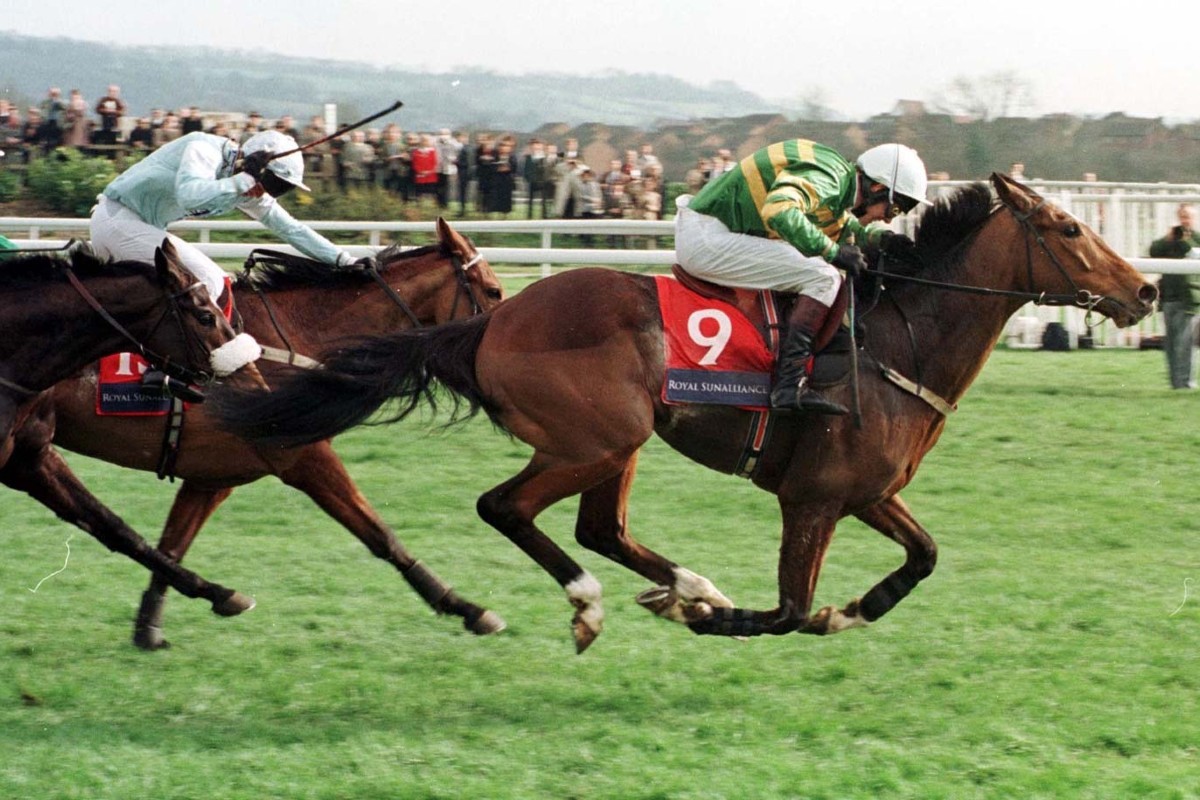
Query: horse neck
[62, 333]
[955, 331]
[312, 317]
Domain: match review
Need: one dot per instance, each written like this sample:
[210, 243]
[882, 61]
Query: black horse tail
[356, 379]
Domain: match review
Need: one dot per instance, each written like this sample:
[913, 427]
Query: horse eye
[493, 293]
[208, 319]
[1072, 230]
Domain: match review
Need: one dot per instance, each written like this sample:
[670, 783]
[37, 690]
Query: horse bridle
[177, 370]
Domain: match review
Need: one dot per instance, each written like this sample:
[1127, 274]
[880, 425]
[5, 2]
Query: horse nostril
[1147, 293]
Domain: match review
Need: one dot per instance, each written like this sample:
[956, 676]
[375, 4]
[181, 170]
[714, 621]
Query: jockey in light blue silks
[202, 175]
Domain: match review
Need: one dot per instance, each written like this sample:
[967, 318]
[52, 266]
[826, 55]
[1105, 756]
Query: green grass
[1051, 655]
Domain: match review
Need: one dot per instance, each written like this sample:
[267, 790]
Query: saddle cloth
[119, 391]
[714, 354]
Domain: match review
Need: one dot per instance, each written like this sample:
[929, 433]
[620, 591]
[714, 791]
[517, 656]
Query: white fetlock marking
[839, 622]
[235, 354]
[584, 593]
[692, 588]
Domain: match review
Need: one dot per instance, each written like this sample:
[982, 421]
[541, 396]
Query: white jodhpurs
[709, 250]
[120, 234]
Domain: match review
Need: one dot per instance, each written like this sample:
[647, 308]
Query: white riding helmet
[289, 168]
[897, 167]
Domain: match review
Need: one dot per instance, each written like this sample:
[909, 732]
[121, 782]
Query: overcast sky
[856, 57]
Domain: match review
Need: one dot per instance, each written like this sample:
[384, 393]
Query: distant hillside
[219, 80]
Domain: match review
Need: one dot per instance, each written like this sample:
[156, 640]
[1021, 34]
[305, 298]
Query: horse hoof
[233, 605]
[584, 636]
[486, 623]
[150, 640]
[657, 600]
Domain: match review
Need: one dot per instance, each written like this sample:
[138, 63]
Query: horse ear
[166, 260]
[1014, 194]
[445, 234]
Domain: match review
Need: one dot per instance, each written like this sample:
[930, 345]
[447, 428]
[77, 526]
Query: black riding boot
[792, 391]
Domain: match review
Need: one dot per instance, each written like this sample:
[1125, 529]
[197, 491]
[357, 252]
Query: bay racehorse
[303, 307]
[61, 312]
[573, 365]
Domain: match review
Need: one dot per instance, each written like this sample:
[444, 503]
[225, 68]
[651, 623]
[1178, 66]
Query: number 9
[715, 344]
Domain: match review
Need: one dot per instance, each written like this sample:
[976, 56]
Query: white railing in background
[1128, 215]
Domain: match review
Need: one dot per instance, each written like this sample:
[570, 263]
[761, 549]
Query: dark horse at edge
[573, 365]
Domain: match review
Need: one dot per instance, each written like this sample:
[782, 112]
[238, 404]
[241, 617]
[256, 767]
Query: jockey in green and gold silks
[782, 220]
[798, 191]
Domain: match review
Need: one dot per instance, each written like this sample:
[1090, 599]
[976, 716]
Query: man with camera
[1178, 297]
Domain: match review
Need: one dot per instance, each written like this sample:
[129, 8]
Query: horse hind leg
[602, 525]
[190, 510]
[892, 518]
[511, 509]
[319, 473]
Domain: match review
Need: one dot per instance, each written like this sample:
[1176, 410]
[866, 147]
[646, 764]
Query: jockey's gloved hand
[366, 264]
[850, 259]
[897, 245]
[256, 163]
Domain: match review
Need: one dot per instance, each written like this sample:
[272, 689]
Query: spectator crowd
[449, 169]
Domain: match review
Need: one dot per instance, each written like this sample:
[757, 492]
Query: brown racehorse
[60, 313]
[573, 365]
[307, 307]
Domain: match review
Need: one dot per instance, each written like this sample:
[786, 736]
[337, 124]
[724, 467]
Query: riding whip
[340, 131]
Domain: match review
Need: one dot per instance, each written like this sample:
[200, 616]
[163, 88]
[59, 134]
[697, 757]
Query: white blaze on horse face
[584, 593]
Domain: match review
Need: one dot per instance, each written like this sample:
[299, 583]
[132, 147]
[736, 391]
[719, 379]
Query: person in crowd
[357, 158]
[648, 162]
[784, 220]
[463, 162]
[425, 168]
[190, 120]
[591, 200]
[203, 175]
[447, 153]
[79, 124]
[54, 120]
[697, 176]
[531, 174]
[485, 170]
[31, 131]
[504, 182]
[169, 131]
[617, 205]
[316, 159]
[287, 126]
[142, 135]
[110, 109]
[391, 154]
[11, 131]
[1178, 297]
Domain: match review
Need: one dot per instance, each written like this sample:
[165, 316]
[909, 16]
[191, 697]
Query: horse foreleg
[43, 474]
[320, 474]
[602, 525]
[807, 532]
[892, 518]
[192, 508]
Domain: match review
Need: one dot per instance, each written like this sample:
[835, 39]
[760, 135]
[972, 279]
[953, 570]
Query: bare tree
[997, 94]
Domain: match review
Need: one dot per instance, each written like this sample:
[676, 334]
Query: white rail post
[546, 238]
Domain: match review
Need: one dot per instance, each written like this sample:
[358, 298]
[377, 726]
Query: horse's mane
[944, 230]
[25, 270]
[293, 273]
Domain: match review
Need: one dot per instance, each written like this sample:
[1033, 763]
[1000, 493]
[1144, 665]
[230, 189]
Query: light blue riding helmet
[289, 168]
